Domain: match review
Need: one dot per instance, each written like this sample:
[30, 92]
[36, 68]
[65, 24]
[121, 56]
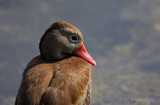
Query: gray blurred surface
[122, 35]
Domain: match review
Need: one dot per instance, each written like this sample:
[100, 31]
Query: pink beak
[82, 52]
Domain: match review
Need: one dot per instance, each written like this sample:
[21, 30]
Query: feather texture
[64, 82]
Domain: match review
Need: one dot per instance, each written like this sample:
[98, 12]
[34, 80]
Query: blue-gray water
[123, 36]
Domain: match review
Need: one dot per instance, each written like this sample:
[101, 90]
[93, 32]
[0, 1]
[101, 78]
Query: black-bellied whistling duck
[61, 74]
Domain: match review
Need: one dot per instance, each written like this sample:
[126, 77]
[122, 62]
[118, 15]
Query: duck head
[62, 39]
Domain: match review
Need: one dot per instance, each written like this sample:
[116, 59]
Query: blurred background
[123, 36]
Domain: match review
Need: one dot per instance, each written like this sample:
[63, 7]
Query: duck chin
[53, 56]
[60, 56]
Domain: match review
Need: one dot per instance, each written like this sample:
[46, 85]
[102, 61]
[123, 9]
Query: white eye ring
[73, 38]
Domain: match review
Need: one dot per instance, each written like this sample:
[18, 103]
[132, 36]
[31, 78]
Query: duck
[61, 73]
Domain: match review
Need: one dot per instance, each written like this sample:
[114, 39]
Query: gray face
[59, 43]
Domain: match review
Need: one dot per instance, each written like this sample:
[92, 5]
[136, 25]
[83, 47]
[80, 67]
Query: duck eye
[73, 38]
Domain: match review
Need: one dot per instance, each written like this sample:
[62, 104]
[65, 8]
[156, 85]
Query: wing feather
[67, 82]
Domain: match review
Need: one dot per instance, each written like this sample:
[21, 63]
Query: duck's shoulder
[73, 62]
[37, 63]
[76, 62]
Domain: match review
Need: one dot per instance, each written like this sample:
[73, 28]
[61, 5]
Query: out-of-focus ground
[122, 35]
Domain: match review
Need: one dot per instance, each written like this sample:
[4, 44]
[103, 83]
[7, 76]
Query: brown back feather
[55, 83]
